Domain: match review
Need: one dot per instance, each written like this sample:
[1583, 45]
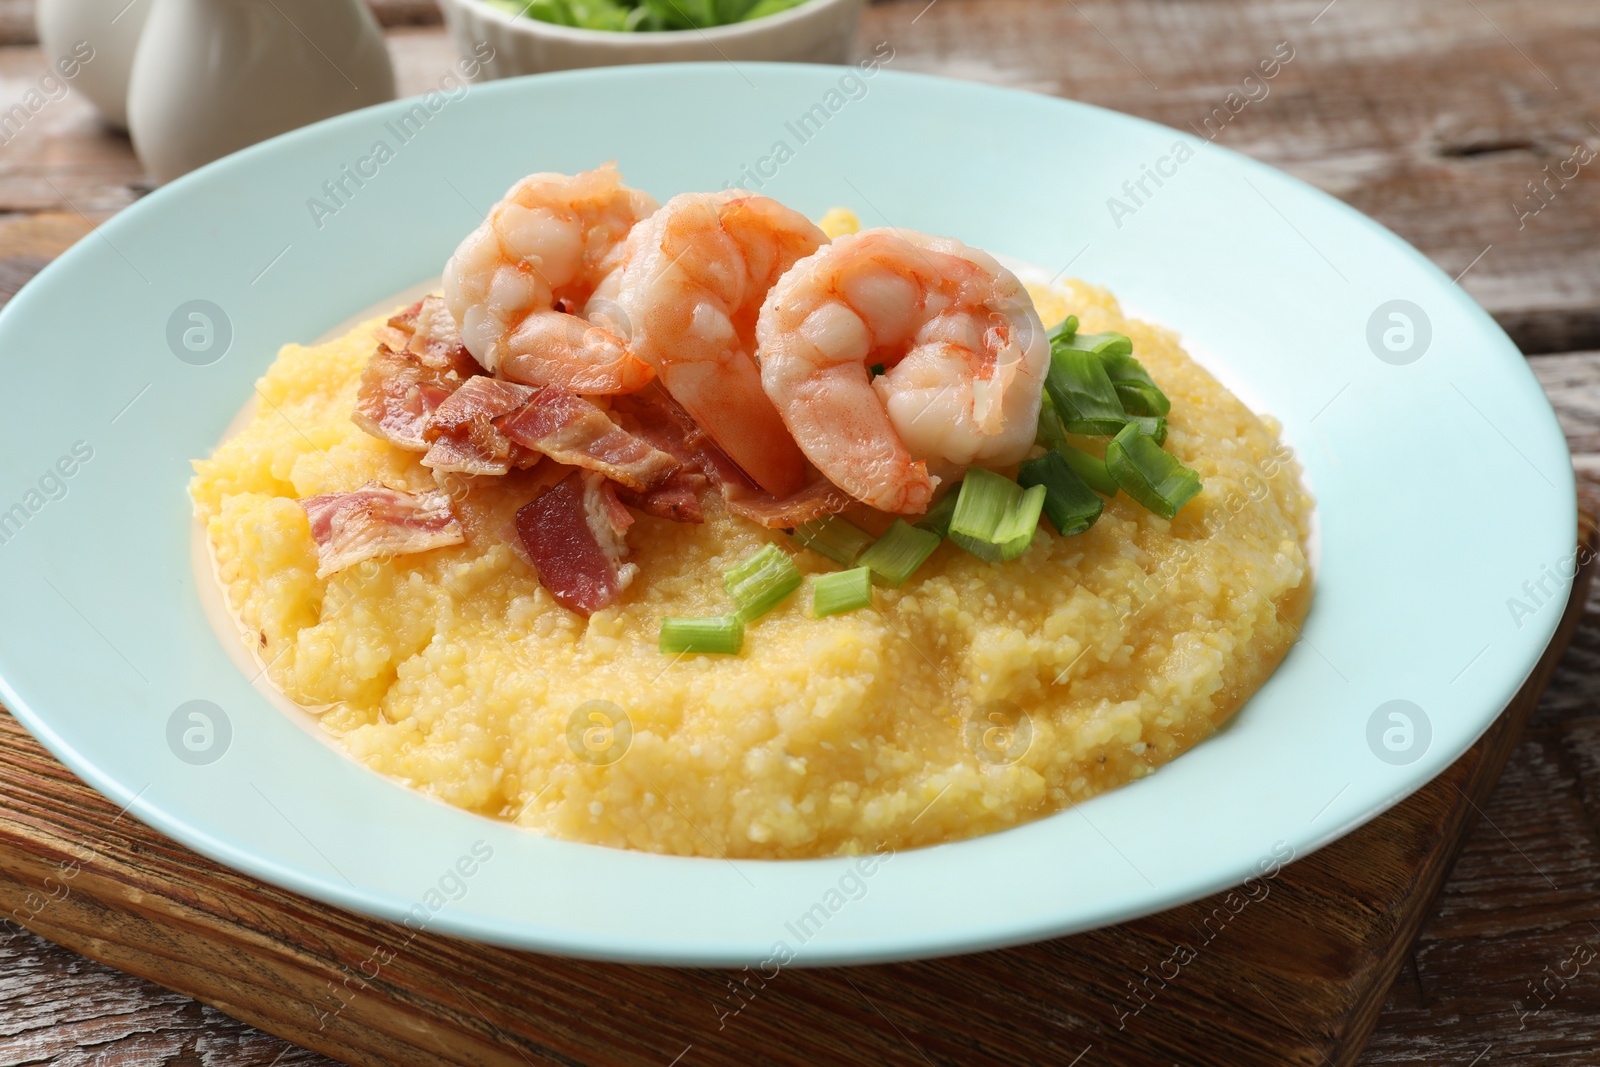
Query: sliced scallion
[1136, 392]
[1150, 475]
[762, 582]
[716, 633]
[1016, 533]
[841, 591]
[1082, 392]
[1066, 328]
[937, 519]
[1135, 388]
[896, 555]
[1050, 433]
[838, 539]
[1070, 505]
[995, 517]
[1152, 426]
[1101, 344]
[1091, 470]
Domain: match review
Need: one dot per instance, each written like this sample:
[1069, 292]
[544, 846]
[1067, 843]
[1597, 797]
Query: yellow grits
[976, 697]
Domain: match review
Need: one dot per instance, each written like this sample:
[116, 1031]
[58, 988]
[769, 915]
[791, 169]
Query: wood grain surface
[1431, 115]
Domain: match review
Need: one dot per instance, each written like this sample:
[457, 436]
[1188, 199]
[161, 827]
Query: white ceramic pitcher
[213, 76]
[111, 28]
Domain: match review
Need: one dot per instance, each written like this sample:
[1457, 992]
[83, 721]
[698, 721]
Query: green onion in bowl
[643, 15]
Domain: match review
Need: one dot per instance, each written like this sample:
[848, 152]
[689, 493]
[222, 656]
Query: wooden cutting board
[1295, 972]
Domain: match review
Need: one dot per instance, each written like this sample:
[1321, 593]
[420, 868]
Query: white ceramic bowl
[818, 31]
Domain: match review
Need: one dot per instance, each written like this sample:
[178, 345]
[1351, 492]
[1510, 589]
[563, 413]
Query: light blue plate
[1444, 491]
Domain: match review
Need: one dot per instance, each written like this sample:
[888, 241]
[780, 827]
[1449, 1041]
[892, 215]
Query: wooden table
[1430, 115]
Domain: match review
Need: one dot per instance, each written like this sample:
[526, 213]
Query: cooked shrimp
[962, 352]
[539, 255]
[694, 277]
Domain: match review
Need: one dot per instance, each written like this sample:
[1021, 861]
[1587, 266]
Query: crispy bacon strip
[659, 418]
[678, 498]
[479, 401]
[419, 363]
[428, 330]
[574, 431]
[398, 392]
[376, 520]
[397, 332]
[574, 533]
[460, 454]
[461, 431]
[811, 501]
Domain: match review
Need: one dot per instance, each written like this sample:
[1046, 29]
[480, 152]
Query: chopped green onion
[1136, 392]
[1070, 505]
[937, 520]
[1091, 470]
[1052, 434]
[1101, 344]
[768, 7]
[841, 591]
[1082, 393]
[896, 555]
[838, 539]
[1151, 476]
[1152, 426]
[718, 633]
[876, 369]
[762, 582]
[651, 15]
[1064, 329]
[995, 517]
[1049, 433]
[1016, 533]
[1135, 388]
